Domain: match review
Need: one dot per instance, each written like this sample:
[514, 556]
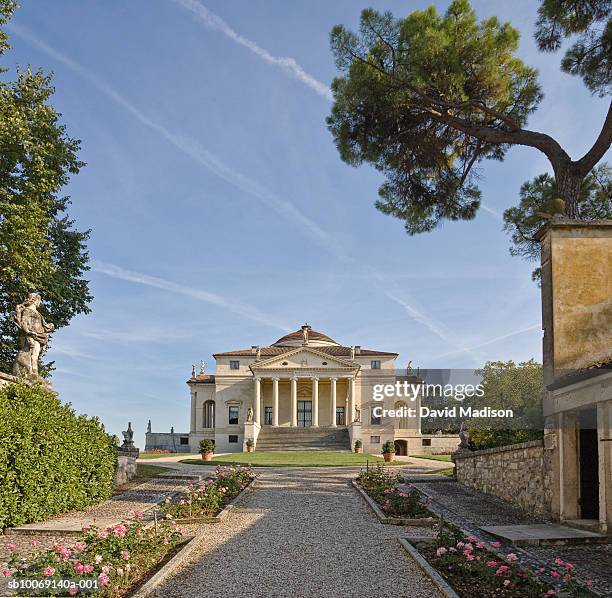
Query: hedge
[51, 459]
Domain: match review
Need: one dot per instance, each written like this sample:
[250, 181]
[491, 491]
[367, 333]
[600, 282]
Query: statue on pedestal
[249, 415]
[33, 336]
[128, 438]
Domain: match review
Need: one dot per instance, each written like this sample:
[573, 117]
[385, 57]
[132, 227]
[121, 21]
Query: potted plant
[358, 446]
[207, 449]
[250, 445]
[388, 450]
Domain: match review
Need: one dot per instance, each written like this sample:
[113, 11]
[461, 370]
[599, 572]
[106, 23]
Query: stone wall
[516, 474]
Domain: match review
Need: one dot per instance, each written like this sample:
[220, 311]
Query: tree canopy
[40, 250]
[537, 200]
[427, 98]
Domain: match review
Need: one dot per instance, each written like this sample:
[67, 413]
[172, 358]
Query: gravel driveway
[302, 533]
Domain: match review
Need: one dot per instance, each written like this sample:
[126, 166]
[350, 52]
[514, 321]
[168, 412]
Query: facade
[577, 321]
[304, 388]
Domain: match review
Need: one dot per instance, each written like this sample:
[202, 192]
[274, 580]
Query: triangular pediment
[305, 358]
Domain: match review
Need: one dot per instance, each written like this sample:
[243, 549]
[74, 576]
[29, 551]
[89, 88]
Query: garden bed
[465, 567]
[117, 559]
[390, 504]
[211, 500]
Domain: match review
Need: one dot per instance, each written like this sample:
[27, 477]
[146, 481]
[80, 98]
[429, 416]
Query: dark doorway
[340, 416]
[304, 414]
[589, 465]
[401, 448]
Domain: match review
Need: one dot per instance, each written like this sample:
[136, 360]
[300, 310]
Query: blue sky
[222, 215]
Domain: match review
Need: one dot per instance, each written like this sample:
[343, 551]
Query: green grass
[446, 458]
[292, 459]
[449, 473]
[150, 471]
[155, 455]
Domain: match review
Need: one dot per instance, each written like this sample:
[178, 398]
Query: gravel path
[302, 533]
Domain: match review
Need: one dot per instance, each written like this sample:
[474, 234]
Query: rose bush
[476, 568]
[116, 557]
[209, 497]
[393, 501]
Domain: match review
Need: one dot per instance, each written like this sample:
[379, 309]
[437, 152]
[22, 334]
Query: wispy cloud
[194, 149]
[494, 340]
[289, 65]
[246, 311]
[433, 326]
[493, 212]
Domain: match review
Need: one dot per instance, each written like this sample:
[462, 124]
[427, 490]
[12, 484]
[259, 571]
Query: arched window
[209, 414]
[402, 422]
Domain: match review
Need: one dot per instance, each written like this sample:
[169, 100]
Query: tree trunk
[568, 188]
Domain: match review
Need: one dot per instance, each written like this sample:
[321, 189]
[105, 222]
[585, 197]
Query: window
[268, 416]
[375, 364]
[375, 421]
[374, 439]
[208, 415]
[233, 416]
[340, 416]
[426, 441]
[234, 364]
[232, 438]
[184, 440]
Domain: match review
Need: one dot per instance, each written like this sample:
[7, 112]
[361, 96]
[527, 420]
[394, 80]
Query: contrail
[491, 211]
[494, 340]
[194, 149]
[432, 326]
[289, 65]
[246, 311]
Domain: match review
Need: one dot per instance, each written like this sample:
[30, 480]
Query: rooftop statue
[33, 336]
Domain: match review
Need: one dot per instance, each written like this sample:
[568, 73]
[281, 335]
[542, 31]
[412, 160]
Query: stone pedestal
[126, 465]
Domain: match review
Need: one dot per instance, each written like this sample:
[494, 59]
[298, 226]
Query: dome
[298, 338]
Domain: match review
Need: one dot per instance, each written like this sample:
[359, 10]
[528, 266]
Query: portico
[303, 399]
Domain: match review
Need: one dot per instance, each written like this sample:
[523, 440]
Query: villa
[305, 391]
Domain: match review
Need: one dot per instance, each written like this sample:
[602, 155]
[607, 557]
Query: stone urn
[388, 451]
[359, 449]
[388, 457]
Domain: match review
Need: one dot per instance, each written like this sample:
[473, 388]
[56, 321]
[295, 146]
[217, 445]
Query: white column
[315, 402]
[351, 413]
[257, 402]
[332, 393]
[275, 402]
[293, 402]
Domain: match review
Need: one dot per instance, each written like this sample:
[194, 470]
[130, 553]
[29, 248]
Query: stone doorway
[401, 448]
[588, 456]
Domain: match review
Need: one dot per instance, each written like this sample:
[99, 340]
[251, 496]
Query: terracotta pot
[207, 456]
[250, 449]
[359, 449]
[388, 457]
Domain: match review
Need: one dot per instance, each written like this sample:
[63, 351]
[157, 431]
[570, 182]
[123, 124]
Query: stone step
[321, 438]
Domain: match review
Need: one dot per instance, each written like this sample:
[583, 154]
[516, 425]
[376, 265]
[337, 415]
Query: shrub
[250, 443]
[486, 438]
[358, 444]
[207, 445]
[51, 459]
[388, 447]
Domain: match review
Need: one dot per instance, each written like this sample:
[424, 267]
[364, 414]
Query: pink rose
[165, 541]
[80, 546]
[6, 573]
[511, 557]
[88, 568]
[555, 574]
[138, 514]
[441, 551]
[507, 582]
[496, 544]
[49, 571]
[125, 555]
[103, 578]
[73, 591]
[480, 545]
[79, 568]
[11, 546]
[35, 542]
[103, 535]
[98, 559]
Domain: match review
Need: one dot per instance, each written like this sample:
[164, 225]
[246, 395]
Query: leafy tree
[427, 98]
[591, 54]
[538, 198]
[39, 248]
[507, 385]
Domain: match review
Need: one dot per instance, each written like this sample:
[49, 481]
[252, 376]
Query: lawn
[292, 459]
[446, 458]
[155, 455]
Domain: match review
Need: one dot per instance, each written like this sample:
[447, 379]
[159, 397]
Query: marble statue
[249, 415]
[357, 414]
[149, 427]
[464, 437]
[33, 336]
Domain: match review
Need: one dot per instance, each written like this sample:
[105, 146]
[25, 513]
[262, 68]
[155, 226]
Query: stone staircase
[303, 439]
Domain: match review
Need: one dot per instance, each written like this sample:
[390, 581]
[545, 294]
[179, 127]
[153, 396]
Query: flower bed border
[420, 521]
[151, 583]
[223, 513]
[428, 569]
